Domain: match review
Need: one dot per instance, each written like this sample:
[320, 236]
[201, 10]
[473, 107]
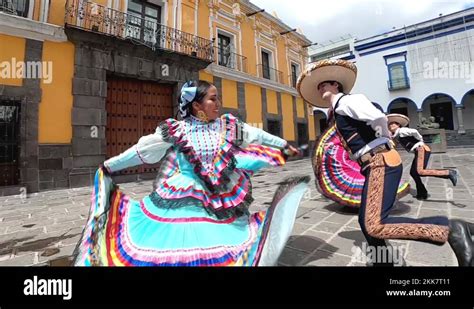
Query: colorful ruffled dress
[337, 176]
[198, 213]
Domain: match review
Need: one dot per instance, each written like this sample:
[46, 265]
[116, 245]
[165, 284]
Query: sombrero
[342, 71]
[402, 120]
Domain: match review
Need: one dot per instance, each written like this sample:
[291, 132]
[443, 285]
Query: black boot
[421, 193]
[461, 241]
[453, 176]
[422, 196]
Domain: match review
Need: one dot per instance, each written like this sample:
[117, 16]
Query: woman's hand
[104, 169]
[291, 151]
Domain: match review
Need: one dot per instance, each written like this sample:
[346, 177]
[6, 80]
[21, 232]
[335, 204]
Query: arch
[405, 100]
[464, 98]
[439, 94]
[317, 110]
[466, 114]
[320, 120]
[441, 106]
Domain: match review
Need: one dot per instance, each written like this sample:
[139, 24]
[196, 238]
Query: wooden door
[134, 109]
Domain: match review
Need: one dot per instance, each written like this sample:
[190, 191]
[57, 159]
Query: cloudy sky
[324, 20]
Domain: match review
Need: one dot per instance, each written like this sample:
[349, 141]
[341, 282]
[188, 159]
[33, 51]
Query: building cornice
[271, 18]
[30, 29]
[231, 74]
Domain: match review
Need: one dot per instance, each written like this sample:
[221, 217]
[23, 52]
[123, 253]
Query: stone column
[461, 129]
[420, 115]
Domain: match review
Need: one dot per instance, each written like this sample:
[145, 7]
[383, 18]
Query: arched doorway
[467, 110]
[320, 121]
[442, 107]
[407, 107]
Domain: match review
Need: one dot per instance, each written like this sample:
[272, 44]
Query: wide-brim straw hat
[402, 120]
[342, 71]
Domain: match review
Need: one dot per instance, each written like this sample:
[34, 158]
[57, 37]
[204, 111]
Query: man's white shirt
[405, 132]
[358, 107]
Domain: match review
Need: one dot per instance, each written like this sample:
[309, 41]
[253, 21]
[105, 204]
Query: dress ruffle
[227, 185]
[126, 232]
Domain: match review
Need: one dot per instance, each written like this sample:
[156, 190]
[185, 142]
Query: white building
[421, 70]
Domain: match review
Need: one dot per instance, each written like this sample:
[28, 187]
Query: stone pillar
[420, 115]
[461, 129]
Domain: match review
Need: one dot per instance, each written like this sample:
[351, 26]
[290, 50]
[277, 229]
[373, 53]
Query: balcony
[270, 73]
[398, 84]
[93, 17]
[15, 7]
[231, 60]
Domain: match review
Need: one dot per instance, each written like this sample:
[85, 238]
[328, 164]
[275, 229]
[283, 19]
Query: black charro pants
[383, 174]
[418, 169]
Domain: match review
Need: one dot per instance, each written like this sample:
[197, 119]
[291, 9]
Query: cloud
[323, 20]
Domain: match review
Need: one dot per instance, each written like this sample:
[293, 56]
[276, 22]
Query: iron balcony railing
[398, 84]
[269, 73]
[94, 17]
[231, 60]
[15, 7]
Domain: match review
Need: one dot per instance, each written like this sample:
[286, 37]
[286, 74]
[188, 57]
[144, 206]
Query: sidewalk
[47, 225]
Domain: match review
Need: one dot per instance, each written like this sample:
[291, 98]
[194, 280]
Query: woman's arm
[150, 149]
[253, 135]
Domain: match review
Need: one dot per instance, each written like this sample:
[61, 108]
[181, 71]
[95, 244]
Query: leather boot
[453, 176]
[461, 241]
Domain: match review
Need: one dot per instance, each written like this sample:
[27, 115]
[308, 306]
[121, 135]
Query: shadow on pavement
[343, 210]
[299, 247]
[459, 205]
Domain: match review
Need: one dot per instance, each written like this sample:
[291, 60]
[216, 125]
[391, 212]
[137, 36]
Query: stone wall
[28, 97]
[98, 57]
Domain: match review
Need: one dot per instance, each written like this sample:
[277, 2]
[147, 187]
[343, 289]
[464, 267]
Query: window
[224, 45]
[266, 65]
[294, 74]
[144, 20]
[15, 7]
[398, 76]
[273, 127]
[9, 142]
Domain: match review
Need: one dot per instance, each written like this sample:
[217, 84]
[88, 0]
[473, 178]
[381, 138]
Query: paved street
[47, 225]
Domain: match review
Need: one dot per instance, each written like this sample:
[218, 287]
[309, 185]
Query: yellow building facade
[80, 81]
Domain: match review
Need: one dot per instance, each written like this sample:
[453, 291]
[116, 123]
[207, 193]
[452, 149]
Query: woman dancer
[198, 213]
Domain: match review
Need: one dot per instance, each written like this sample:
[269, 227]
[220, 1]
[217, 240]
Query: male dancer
[364, 131]
[412, 141]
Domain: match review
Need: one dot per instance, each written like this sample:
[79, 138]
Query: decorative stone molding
[275, 35]
[257, 25]
[213, 5]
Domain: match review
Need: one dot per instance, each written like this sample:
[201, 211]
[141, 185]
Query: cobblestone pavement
[46, 226]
